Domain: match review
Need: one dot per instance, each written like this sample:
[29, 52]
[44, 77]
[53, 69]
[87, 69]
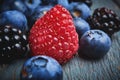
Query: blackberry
[105, 19]
[13, 44]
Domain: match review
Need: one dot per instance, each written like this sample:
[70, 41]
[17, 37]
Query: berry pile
[56, 29]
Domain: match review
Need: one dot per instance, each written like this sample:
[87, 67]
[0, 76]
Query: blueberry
[32, 4]
[94, 44]
[80, 10]
[38, 13]
[81, 26]
[24, 6]
[16, 5]
[88, 2]
[63, 3]
[19, 5]
[72, 5]
[15, 18]
[41, 68]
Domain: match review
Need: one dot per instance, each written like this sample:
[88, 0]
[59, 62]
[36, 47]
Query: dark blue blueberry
[38, 13]
[72, 5]
[19, 5]
[13, 5]
[81, 26]
[41, 68]
[94, 44]
[80, 10]
[15, 18]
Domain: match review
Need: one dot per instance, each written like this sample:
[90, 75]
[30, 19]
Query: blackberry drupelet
[106, 20]
[13, 44]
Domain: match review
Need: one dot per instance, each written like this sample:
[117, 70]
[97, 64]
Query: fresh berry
[16, 5]
[15, 18]
[94, 44]
[25, 6]
[80, 10]
[32, 4]
[41, 68]
[38, 13]
[64, 3]
[13, 44]
[54, 35]
[81, 26]
[106, 20]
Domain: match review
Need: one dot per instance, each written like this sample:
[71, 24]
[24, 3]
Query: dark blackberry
[106, 20]
[13, 44]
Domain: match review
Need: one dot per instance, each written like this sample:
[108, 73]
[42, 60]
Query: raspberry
[54, 35]
[106, 20]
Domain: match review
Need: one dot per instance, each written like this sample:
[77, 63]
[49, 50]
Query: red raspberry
[54, 35]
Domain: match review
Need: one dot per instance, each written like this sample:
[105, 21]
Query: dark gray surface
[117, 2]
[77, 68]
